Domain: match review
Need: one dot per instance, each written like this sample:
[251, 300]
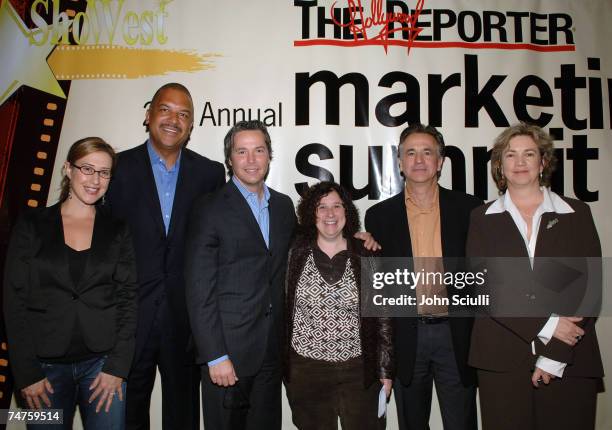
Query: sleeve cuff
[218, 360]
[551, 366]
[547, 332]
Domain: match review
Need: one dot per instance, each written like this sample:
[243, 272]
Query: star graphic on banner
[23, 63]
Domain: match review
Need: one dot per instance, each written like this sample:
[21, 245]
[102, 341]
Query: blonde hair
[80, 149]
[542, 140]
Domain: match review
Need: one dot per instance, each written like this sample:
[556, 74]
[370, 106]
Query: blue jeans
[71, 384]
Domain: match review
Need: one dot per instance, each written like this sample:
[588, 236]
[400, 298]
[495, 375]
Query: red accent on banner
[416, 44]
[9, 112]
[379, 18]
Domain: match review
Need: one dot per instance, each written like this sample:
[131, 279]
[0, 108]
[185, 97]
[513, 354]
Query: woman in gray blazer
[70, 297]
[534, 371]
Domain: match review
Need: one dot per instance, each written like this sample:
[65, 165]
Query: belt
[432, 320]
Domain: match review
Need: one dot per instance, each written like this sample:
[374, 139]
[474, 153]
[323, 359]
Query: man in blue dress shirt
[236, 259]
[153, 188]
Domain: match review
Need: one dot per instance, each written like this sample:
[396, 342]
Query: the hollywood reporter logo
[354, 23]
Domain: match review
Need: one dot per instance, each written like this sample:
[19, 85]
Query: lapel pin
[552, 223]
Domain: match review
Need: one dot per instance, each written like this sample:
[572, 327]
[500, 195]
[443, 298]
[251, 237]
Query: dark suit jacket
[503, 344]
[234, 282]
[388, 223]
[41, 301]
[133, 197]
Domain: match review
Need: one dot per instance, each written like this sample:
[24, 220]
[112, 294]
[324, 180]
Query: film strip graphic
[4, 372]
[37, 146]
[44, 149]
[31, 122]
[42, 154]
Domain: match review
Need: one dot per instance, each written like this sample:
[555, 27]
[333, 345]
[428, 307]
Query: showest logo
[353, 23]
[103, 22]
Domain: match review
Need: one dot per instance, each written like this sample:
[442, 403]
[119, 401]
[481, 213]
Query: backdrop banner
[335, 81]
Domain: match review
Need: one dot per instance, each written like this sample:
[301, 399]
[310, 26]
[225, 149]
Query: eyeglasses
[88, 170]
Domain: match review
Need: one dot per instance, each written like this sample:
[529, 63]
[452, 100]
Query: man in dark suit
[427, 220]
[153, 189]
[235, 266]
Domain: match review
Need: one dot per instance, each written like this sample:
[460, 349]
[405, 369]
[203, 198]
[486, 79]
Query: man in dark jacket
[153, 188]
[427, 220]
[235, 269]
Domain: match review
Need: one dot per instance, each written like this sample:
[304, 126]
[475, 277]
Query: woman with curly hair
[336, 360]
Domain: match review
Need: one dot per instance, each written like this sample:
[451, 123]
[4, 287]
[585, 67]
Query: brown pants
[508, 401]
[320, 392]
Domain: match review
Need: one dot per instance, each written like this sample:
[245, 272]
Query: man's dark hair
[171, 86]
[228, 141]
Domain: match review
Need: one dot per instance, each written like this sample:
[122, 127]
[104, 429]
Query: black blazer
[388, 223]
[234, 282]
[503, 344]
[41, 301]
[132, 196]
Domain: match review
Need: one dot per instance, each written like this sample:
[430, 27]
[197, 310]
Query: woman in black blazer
[539, 368]
[70, 297]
